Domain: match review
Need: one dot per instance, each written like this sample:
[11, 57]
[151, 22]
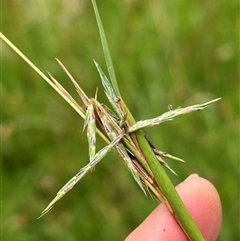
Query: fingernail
[192, 176]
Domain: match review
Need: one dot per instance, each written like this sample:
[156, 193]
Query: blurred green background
[164, 52]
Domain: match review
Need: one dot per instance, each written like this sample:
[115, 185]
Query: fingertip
[203, 203]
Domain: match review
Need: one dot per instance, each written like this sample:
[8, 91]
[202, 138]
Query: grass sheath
[117, 126]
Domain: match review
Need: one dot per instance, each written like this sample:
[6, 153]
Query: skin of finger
[203, 203]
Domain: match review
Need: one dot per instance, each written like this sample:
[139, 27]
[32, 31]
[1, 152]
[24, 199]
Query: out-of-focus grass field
[164, 52]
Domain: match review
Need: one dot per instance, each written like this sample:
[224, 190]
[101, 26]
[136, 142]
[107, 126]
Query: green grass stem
[106, 51]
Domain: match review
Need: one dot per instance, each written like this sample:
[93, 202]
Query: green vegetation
[163, 54]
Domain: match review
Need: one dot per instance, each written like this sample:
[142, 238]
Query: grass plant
[124, 134]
